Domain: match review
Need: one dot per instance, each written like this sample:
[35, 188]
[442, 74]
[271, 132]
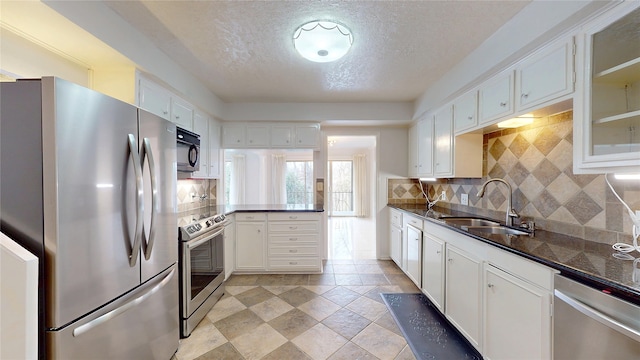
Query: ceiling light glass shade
[322, 41]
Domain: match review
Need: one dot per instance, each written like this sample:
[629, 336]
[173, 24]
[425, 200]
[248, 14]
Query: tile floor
[335, 315]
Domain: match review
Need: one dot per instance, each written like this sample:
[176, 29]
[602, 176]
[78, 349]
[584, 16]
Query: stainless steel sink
[496, 230]
[470, 221]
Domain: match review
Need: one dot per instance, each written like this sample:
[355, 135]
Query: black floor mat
[428, 333]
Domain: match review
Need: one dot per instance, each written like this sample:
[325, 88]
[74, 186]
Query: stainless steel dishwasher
[589, 324]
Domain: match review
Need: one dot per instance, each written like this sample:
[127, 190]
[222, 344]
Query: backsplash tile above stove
[191, 191]
[537, 161]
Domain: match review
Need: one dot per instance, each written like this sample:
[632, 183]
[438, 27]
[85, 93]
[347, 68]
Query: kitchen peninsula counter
[586, 261]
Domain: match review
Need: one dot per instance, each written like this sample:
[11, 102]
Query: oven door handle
[598, 316]
[198, 242]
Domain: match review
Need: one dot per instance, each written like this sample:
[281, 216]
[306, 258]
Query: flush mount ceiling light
[322, 41]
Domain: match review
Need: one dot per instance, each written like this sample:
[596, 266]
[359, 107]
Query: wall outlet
[464, 199]
[444, 195]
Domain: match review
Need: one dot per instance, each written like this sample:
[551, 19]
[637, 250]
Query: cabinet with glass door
[607, 116]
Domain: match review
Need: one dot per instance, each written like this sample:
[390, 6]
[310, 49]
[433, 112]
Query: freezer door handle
[121, 309]
[147, 244]
[598, 316]
[133, 151]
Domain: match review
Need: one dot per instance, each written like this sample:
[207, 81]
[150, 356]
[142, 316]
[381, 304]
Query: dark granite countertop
[591, 263]
[189, 216]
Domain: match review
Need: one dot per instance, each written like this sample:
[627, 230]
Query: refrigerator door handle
[148, 153]
[133, 151]
[121, 309]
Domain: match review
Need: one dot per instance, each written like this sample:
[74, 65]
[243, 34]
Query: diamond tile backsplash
[537, 161]
[196, 193]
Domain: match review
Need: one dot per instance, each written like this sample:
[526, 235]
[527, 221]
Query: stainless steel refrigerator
[88, 184]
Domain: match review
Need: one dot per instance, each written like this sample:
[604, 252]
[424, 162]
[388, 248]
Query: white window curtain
[360, 186]
[237, 189]
[279, 178]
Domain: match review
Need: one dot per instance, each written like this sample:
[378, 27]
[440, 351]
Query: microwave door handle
[148, 153]
[133, 152]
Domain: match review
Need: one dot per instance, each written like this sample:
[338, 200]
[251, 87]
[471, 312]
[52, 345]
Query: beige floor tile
[368, 308]
[368, 269]
[360, 289]
[235, 290]
[238, 323]
[322, 279]
[271, 308]
[351, 351]
[344, 269]
[374, 294]
[255, 344]
[320, 289]
[319, 342]
[388, 322]
[341, 295]
[225, 307]
[287, 351]
[293, 323]
[346, 323]
[225, 351]
[348, 279]
[298, 296]
[380, 341]
[279, 289]
[242, 280]
[406, 354]
[374, 279]
[254, 296]
[319, 308]
[204, 338]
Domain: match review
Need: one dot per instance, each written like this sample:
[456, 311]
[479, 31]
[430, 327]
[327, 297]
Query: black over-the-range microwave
[188, 150]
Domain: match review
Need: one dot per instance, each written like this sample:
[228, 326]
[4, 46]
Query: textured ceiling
[243, 51]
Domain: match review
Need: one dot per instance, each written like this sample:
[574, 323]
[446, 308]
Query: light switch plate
[464, 199]
[319, 186]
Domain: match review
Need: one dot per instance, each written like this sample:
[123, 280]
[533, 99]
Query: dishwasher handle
[598, 316]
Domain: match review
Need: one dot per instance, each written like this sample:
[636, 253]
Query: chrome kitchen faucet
[511, 213]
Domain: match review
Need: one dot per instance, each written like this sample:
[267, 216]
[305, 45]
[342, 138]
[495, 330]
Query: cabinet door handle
[258, 230]
[438, 251]
[503, 104]
[489, 285]
[450, 260]
[525, 95]
[470, 117]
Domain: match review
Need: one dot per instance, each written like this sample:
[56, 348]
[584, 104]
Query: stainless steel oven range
[201, 269]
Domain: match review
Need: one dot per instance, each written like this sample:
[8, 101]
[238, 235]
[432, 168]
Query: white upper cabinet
[607, 110]
[282, 136]
[421, 148]
[233, 136]
[495, 98]
[545, 75]
[307, 136]
[182, 113]
[413, 151]
[270, 135]
[201, 127]
[154, 99]
[257, 136]
[443, 138]
[215, 150]
[465, 112]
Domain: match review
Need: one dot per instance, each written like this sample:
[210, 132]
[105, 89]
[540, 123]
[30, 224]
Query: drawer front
[293, 239]
[295, 264]
[396, 218]
[251, 216]
[416, 223]
[294, 251]
[294, 227]
[293, 216]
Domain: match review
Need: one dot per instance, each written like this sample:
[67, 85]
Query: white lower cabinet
[414, 255]
[229, 246]
[278, 242]
[250, 241]
[433, 270]
[395, 236]
[463, 296]
[294, 242]
[517, 317]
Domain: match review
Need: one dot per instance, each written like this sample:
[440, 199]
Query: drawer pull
[249, 217]
[293, 239]
[293, 263]
[293, 227]
[293, 217]
[293, 251]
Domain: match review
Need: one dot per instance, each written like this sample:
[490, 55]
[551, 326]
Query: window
[299, 182]
[341, 173]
